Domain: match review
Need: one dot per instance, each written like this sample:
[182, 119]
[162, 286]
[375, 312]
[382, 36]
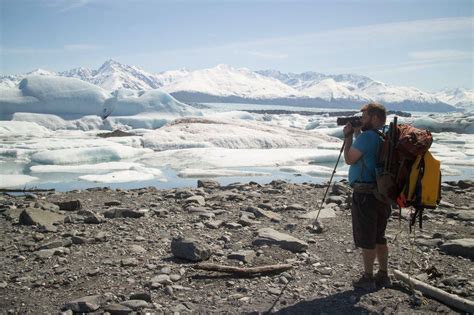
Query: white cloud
[440, 55]
[264, 55]
[80, 47]
[67, 5]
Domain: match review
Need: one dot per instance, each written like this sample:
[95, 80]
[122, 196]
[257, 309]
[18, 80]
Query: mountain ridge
[224, 82]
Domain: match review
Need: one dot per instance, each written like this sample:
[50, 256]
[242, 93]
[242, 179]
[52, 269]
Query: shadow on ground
[339, 303]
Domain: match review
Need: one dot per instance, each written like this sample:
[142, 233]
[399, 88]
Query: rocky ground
[118, 251]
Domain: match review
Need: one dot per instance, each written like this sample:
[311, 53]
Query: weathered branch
[26, 190]
[244, 271]
[440, 295]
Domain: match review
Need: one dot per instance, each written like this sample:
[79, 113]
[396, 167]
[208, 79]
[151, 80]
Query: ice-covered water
[223, 142]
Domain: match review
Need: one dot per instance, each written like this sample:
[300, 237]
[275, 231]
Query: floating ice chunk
[15, 180]
[84, 168]
[9, 129]
[314, 170]
[330, 145]
[87, 155]
[208, 158]
[126, 103]
[231, 115]
[209, 173]
[199, 132]
[448, 171]
[65, 97]
[124, 176]
[469, 152]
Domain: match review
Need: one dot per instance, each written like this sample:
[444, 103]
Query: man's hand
[348, 130]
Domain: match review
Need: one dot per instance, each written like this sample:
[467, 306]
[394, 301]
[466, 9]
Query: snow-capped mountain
[113, 75]
[224, 80]
[459, 97]
[224, 83]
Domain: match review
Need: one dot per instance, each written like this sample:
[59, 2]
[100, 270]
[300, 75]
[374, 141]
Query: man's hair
[375, 109]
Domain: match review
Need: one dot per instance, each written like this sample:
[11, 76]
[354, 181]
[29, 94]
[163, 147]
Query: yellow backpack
[423, 189]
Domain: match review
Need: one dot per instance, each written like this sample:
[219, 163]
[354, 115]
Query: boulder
[244, 255]
[461, 247]
[189, 249]
[123, 213]
[273, 216]
[197, 200]
[71, 205]
[207, 183]
[84, 304]
[45, 219]
[268, 236]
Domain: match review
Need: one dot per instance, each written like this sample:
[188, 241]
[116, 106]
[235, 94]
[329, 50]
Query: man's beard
[367, 126]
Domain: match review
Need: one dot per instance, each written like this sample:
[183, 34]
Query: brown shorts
[369, 220]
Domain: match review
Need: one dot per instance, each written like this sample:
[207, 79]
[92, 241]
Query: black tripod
[317, 226]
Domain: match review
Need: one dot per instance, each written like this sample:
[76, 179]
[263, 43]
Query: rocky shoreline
[123, 251]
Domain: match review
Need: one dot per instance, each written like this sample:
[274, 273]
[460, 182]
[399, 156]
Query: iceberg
[12, 129]
[64, 97]
[129, 102]
[15, 180]
[231, 134]
[87, 155]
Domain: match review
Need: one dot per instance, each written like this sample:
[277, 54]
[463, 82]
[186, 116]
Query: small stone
[169, 290]
[145, 296]
[129, 262]
[118, 309]
[233, 225]
[274, 291]
[190, 249]
[196, 199]
[246, 256]
[71, 205]
[283, 280]
[112, 203]
[165, 270]
[159, 280]
[175, 277]
[136, 249]
[84, 304]
[135, 304]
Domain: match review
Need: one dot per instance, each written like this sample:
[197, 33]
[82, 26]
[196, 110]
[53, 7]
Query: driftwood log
[25, 190]
[438, 294]
[240, 271]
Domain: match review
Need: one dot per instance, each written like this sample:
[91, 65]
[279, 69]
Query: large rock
[189, 249]
[207, 183]
[45, 219]
[325, 213]
[123, 213]
[460, 247]
[84, 304]
[271, 237]
[71, 205]
[273, 216]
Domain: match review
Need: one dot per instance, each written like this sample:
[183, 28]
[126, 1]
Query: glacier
[171, 143]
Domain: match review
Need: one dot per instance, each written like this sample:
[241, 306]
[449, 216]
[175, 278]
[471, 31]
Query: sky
[419, 43]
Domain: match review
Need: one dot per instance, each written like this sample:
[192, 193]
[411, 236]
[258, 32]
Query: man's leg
[368, 257]
[382, 256]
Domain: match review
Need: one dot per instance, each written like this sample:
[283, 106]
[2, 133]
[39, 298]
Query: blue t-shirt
[363, 170]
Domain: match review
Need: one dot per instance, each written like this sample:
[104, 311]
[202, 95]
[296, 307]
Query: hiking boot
[382, 280]
[365, 282]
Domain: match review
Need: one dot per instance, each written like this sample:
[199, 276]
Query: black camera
[354, 120]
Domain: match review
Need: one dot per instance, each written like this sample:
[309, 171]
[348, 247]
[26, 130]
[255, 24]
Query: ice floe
[15, 180]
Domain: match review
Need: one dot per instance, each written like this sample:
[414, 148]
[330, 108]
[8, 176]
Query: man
[369, 215]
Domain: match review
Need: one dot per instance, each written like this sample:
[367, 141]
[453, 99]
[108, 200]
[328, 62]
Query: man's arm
[351, 155]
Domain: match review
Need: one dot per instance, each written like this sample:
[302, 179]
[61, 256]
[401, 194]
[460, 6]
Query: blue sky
[426, 44]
